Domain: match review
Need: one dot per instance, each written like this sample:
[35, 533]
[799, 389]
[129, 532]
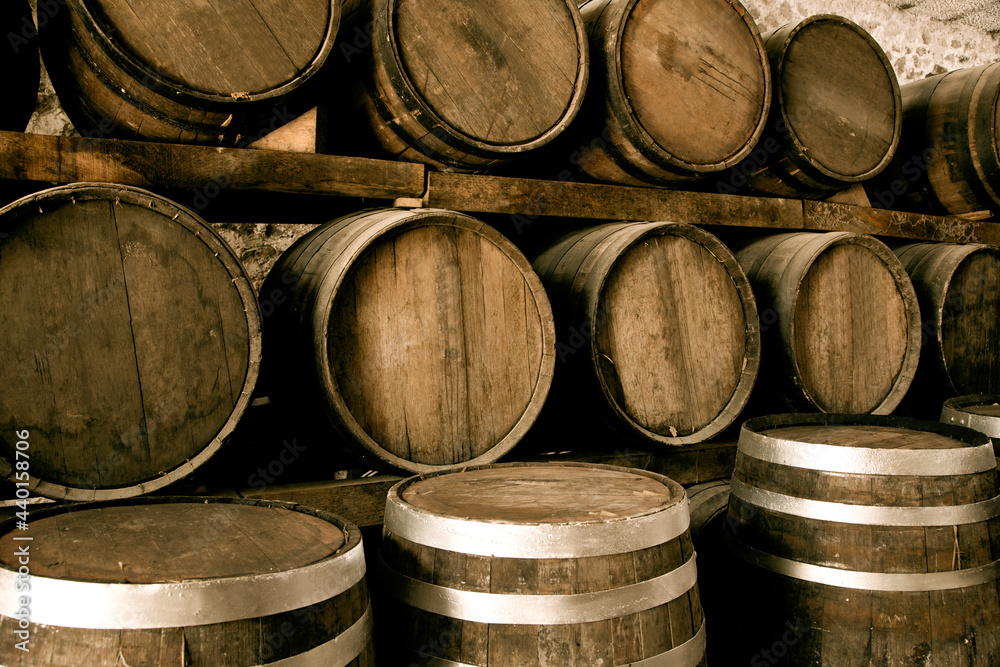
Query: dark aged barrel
[866, 541]
[422, 337]
[948, 161]
[958, 287]
[186, 70]
[679, 90]
[541, 564]
[658, 331]
[205, 582]
[131, 341]
[19, 63]
[468, 85]
[836, 113]
[840, 321]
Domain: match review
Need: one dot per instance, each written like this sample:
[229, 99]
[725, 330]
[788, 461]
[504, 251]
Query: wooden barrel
[423, 337]
[836, 114]
[205, 582]
[659, 338]
[468, 86]
[948, 161]
[131, 341]
[958, 288]
[867, 541]
[840, 321]
[19, 63]
[707, 502]
[980, 412]
[679, 90]
[185, 70]
[540, 564]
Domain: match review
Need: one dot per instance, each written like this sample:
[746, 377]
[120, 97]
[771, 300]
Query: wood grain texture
[659, 335]
[871, 627]
[20, 64]
[133, 340]
[682, 89]
[428, 334]
[957, 287]
[843, 321]
[157, 541]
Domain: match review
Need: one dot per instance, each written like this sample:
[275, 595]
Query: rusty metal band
[985, 424]
[81, 604]
[557, 540]
[868, 461]
[506, 609]
[866, 581]
[688, 654]
[870, 515]
[338, 652]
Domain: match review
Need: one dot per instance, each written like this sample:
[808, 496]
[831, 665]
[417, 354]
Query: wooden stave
[20, 62]
[438, 632]
[626, 154]
[215, 643]
[802, 602]
[178, 214]
[303, 322]
[89, 65]
[776, 268]
[574, 270]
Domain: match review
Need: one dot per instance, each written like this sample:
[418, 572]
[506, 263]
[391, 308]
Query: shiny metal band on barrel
[866, 461]
[688, 654]
[865, 581]
[557, 540]
[952, 413]
[507, 609]
[339, 651]
[81, 604]
[871, 515]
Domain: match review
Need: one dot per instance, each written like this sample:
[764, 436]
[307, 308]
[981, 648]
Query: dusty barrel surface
[866, 540]
[467, 85]
[679, 90]
[183, 70]
[958, 287]
[836, 113]
[948, 161]
[131, 338]
[658, 330]
[840, 318]
[533, 564]
[19, 63]
[423, 337]
[206, 582]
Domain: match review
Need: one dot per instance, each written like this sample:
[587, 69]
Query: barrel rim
[386, 11]
[195, 601]
[640, 231]
[13, 212]
[617, 101]
[337, 409]
[142, 73]
[953, 412]
[802, 154]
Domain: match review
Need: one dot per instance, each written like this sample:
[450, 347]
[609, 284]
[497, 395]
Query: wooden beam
[56, 160]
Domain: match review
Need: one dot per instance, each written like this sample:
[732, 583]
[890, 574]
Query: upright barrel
[422, 338]
[840, 322]
[836, 113]
[866, 540]
[658, 332]
[205, 582]
[958, 288]
[948, 161]
[19, 64]
[679, 90]
[980, 412]
[540, 564]
[131, 340]
[185, 70]
[465, 86]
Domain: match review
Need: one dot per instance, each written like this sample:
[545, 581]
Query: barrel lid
[976, 411]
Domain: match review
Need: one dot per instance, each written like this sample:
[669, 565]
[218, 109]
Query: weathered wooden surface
[305, 134]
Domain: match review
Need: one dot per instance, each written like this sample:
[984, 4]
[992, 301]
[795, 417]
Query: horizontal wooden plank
[882, 222]
[56, 160]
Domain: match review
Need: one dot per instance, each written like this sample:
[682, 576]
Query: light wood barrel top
[865, 435]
